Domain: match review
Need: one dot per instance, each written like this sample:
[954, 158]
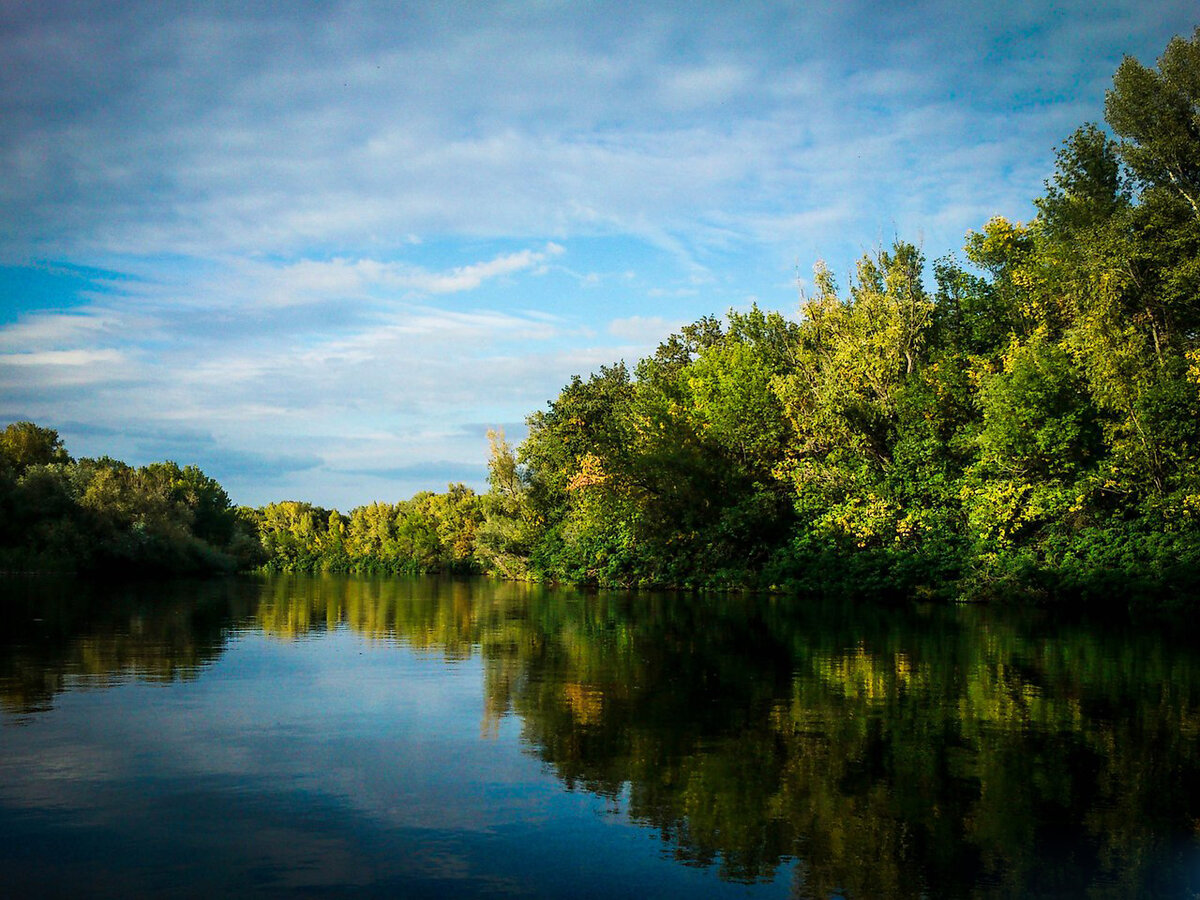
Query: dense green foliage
[429, 533]
[100, 514]
[1030, 424]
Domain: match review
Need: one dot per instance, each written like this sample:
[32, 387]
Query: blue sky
[318, 249]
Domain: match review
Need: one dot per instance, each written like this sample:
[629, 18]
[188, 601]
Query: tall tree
[1158, 114]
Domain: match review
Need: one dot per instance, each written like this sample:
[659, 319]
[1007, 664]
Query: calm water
[433, 738]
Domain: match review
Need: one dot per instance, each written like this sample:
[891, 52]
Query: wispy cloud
[314, 281]
[466, 278]
[347, 129]
[642, 329]
[165, 355]
[59, 358]
[52, 330]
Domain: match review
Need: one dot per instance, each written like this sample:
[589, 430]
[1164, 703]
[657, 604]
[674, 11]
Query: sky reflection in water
[415, 738]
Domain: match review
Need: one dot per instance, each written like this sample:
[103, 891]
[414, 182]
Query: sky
[319, 249]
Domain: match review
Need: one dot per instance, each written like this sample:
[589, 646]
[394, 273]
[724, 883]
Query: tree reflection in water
[879, 752]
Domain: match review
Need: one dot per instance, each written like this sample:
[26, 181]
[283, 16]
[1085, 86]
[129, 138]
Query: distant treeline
[429, 533]
[60, 514]
[90, 515]
[1030, 425]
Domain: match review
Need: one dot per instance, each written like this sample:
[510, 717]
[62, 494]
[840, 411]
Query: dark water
[417, 738]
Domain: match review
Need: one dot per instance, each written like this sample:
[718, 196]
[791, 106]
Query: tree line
[93, 515]
[1029, 423]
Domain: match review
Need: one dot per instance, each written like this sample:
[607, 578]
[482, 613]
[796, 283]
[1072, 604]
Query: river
[442, 738]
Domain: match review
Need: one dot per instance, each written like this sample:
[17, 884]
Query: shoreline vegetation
[1028, 427]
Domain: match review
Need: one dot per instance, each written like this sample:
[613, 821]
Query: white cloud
[712, 85]
[51, 330]
[52, 370]
[61, 358]
[470, 277]
[345, 145]
[643, 330]
[314, 281]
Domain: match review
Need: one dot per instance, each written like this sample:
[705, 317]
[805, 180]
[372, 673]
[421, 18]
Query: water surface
[471, 738]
